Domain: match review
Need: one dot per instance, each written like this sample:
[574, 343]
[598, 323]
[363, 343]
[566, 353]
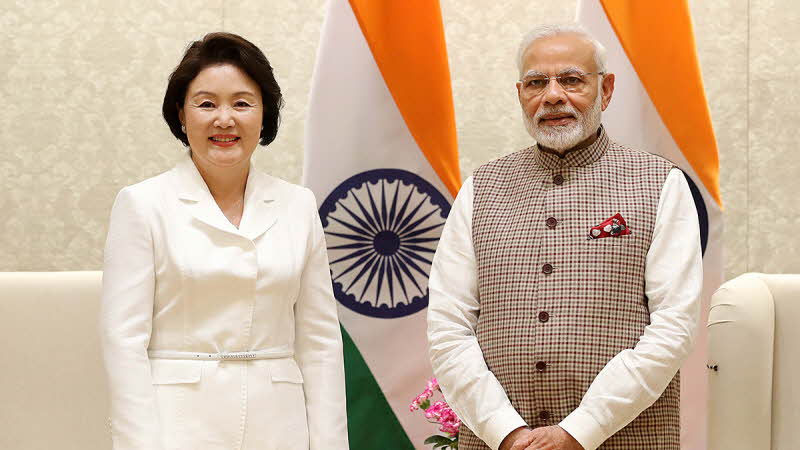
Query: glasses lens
[572, 82]
[533, 85]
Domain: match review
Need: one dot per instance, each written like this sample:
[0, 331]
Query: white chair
[754, 364]
[53, 392]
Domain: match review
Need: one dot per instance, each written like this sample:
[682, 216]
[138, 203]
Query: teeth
[223, 139]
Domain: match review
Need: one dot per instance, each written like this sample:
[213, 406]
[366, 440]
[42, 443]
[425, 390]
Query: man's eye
[571, 81]
[537, 82]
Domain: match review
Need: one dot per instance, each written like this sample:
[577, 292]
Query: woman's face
[222, 114]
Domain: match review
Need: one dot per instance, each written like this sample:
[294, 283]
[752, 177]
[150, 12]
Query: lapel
[260, 205]
[259, 202]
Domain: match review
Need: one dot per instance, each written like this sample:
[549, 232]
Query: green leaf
[437, 440]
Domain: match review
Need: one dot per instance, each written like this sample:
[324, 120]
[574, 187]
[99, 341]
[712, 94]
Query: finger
[518, 445]
[539, 446]
[522, 442]
[542, 441]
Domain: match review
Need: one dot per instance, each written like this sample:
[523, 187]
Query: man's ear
[608, 89]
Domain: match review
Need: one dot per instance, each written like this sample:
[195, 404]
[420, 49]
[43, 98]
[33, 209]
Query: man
[564, 290]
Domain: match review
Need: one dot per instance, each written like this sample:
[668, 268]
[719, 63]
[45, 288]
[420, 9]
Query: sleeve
[469, 386]
[634, 379]
[125, 326]
[318, 344]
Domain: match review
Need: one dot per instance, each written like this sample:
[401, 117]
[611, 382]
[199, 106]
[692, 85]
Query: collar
[580, 157]
[259, 200]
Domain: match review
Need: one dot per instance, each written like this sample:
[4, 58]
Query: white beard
[564, 137]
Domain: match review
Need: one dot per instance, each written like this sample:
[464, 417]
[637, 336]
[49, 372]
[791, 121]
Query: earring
[183, 128]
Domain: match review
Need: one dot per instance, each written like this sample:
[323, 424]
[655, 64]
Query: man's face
[560, 117]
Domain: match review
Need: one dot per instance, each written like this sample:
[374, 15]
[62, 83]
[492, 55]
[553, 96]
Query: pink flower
[438, 411]
[449, 421]
[420, 400]
[435, 410]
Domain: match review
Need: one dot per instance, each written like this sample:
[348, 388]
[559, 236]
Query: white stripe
[354, 125]
[632, 120]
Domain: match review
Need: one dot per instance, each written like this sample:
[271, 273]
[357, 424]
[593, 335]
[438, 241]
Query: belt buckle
[238, 356]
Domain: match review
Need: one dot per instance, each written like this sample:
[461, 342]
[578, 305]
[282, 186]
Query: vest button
[544, 316]
[551, 222]
[558, 180]
[544, 415]
[541, 365]
[547, 269]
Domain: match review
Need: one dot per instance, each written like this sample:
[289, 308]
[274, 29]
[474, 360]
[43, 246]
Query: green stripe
[371, 423]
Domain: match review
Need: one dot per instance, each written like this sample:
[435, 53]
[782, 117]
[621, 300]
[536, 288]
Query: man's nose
[554, 93]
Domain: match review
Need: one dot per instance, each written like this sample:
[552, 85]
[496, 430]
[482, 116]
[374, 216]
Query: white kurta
[178, 276]
[627, 385]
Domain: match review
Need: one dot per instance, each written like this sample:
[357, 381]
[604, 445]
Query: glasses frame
[558, 79]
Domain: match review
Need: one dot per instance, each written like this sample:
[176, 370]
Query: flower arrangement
[438, 412]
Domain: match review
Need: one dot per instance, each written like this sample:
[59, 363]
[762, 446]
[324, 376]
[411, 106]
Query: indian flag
[382, 159]
[660, 106]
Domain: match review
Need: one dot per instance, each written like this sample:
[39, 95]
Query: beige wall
[82, 84]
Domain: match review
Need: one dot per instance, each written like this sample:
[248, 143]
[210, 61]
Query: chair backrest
[754, 354]
[53, 391]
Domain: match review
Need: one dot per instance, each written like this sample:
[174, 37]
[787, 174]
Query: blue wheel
[382, 227]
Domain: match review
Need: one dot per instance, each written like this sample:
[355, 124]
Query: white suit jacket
[178, 276]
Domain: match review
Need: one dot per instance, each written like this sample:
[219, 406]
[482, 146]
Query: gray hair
[544, 31]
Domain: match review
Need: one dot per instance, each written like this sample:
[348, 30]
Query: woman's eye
[242, 104]
[206, 104]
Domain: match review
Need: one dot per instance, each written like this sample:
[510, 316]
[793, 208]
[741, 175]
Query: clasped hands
[544, 438]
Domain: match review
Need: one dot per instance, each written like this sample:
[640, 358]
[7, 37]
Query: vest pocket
[172, 371]
[285, 370]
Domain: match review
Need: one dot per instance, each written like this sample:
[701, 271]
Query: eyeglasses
[535, 84]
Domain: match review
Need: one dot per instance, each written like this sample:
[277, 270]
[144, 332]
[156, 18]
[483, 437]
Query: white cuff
[500, 425]
[582, 426]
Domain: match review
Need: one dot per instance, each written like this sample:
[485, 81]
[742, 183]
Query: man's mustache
[563, 109]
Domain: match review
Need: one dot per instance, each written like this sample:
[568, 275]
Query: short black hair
[223, 48]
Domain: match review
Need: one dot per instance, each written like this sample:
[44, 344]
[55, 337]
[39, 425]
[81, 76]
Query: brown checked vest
[556, 306]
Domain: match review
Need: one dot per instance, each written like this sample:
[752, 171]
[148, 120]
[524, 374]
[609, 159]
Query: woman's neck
[227, 185]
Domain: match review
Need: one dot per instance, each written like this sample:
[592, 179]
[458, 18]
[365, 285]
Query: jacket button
[541, 365]
[558, 180]
[547, 269]
[544, 316]
[551, 222]
[544, 415]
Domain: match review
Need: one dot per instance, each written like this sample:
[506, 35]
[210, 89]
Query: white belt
[273, 353]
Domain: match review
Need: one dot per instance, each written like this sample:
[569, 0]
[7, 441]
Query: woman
[219, 325]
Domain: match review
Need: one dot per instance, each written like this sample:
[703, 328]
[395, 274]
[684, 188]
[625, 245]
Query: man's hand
[552, 438]
[518, 439]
